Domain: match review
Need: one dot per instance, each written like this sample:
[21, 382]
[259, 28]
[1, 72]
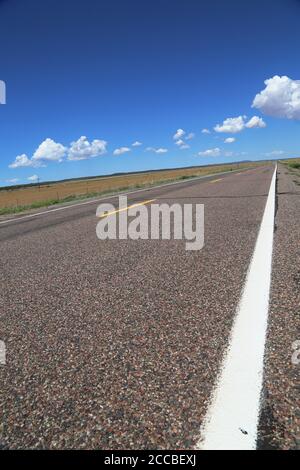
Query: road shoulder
[280, 416]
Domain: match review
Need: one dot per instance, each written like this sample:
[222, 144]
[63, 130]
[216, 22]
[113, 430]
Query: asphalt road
[117, 344]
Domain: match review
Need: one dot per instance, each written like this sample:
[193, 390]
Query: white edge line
[113, 196]
[232, 418]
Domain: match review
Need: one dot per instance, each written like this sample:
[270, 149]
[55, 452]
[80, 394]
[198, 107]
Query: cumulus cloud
[33, 178]
[216, 152]
[121, 150]
[82, 149]
[255, 121]
[231, 125]
[205, 131]
[229, 140]
[136, 144]
[280, 98]
[24, 161]
[181, 137]
[158, 150]
[184, 146]
[190, 136]
[49, 150]
[179, 134]
[238, 124]
[275, 153]
[12, 180]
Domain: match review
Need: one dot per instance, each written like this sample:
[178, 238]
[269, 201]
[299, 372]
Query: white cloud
[82, 149]
[179, 134]
[275, 153]
[136, 144]
[23, 161]
[33, 178]
[216, 152]
[238, 124]
[205, 131]
[229, 140]
[255, 121]
[121, 150]
[231, 125]
[190, 136]
[180, 137]
[49, 150]
[280, 98]
[159, 150]
[12, 180]
[184, 146]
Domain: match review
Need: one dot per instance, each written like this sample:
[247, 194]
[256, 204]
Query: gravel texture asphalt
[280, 419]
[116, 344]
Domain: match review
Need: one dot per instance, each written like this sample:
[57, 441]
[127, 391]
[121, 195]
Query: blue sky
[121, 71]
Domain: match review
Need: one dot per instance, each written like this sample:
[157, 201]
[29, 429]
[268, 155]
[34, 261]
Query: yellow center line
[126, 208]
[215, 181]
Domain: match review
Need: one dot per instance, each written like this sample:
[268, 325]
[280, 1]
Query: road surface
[118, 344]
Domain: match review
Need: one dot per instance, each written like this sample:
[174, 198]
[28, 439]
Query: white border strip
[232, 418]
[115, 195]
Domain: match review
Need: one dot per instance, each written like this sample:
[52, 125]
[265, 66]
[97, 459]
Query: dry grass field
[16, 199]
[293, 166]
[293, 163]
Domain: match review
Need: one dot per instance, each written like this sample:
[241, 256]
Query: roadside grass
[34, 205]
[53, 202]
[16, 201]
[90, 195]
[294, 165]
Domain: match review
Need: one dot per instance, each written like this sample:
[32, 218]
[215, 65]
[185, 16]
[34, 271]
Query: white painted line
[232, 418]
[104, 198]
